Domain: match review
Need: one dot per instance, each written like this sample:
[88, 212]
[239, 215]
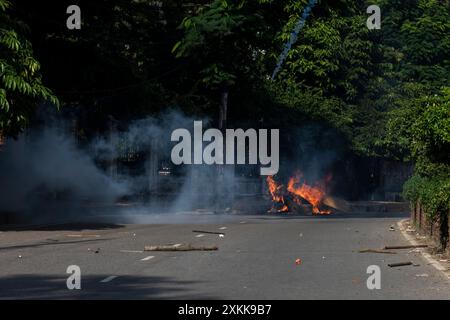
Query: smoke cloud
[46, 165]
[126, 174]
[45, 175]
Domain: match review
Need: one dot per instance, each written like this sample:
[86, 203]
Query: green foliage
[376, 75]
[431, 135]
[426, 43]
[21, 86]
[334, 56]
[319, 108]
[420, 127]
[430, 148]
[433, 194]
[369, 84]
[217, 39]
[406, 106]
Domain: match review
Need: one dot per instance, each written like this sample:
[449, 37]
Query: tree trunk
[2, 139]
[113, 141]
[223, 109]
[220, 189]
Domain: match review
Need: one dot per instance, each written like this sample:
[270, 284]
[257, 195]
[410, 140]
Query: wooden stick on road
[376, 251]
[400, 264]
[183, 247]
[210, 232]
[406, 247]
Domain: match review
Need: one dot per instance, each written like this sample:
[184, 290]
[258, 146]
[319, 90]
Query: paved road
[255, 260]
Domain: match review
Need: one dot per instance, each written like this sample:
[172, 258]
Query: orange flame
[274, 190]
[300, 190]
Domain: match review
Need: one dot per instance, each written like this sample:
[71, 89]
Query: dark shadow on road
[72, 226]
[122, 287]
[50, 242]
[353, 215]
[194, 219]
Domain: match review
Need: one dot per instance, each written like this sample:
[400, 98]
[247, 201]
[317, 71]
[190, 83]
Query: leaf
[175, 47]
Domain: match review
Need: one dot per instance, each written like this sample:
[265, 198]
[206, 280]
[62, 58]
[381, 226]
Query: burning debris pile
[298, 195]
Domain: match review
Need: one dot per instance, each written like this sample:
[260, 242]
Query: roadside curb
[428, 257]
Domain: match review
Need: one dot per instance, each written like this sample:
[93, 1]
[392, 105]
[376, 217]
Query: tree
[426, 132]
[21, 87]
[120, 57]
[367, 77]
[430, 143]
[223, 41]
[334, 54]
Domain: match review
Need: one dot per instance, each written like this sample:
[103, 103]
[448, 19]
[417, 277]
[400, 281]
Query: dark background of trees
[385, 92]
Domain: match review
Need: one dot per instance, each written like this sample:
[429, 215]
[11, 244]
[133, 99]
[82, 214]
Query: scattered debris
[221, 235]
[400, 264]
[180, 247]
[406, 247]
[376, 251]
[337, 203]
[223, 228]
[210, 232]
[200, 235]
[108, 279]
[97, 251]
[20, 256]
[298, 261]
[391, 228]
[410, 229]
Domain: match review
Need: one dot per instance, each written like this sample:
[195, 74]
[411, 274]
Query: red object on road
[298, 261]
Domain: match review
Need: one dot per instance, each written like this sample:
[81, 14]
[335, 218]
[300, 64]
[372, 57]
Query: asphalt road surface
[256, 259]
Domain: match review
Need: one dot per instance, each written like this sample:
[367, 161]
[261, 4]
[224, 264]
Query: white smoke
[46, 163]
[46, 175]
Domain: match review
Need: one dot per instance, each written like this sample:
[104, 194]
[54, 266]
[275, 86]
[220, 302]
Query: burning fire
[275, 192]
[297, 189]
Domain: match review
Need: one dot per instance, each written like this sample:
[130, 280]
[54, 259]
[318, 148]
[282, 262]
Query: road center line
[177, 245]
[199, 235]
[108, 279]
[147, 258]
